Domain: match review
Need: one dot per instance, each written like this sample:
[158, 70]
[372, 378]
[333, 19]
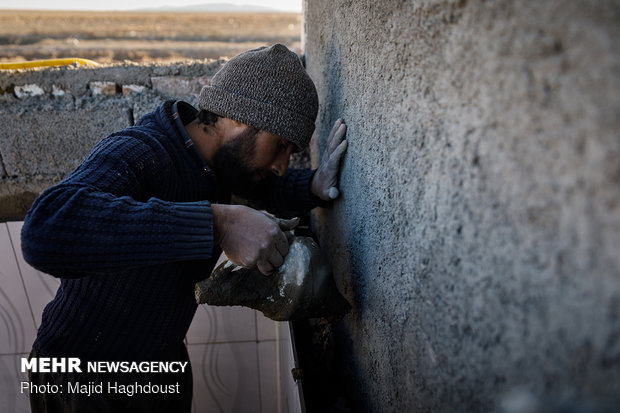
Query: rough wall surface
[52, 117]
[478, 232]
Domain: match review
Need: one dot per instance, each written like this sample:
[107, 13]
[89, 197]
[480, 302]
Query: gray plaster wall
[478, 231]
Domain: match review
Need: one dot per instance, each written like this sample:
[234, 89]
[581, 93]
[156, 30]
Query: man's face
[249, 158]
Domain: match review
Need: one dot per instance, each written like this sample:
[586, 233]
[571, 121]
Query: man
[147, 214]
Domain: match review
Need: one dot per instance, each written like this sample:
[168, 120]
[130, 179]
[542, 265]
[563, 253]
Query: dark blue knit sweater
[129, 233]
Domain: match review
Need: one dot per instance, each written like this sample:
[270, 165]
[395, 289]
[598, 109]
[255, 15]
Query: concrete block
[127, 89]
[103, 88]
[177, 86]
[44, 137]
[24, 91]
[17, 195]
[52, 143]
[41, 147]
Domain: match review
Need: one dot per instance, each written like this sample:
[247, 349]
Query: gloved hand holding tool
[303, 287]
[251, 238]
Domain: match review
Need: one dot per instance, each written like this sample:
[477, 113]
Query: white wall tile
[225, 377]
[268, 376]
[222, 324]
[40, 287]
[266, 327]
[17, 327]
[11, 398]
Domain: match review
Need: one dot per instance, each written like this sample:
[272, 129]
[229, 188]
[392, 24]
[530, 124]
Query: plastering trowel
[303, 287]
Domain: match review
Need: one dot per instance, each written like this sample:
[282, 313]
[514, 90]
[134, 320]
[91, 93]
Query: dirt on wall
[479, 223]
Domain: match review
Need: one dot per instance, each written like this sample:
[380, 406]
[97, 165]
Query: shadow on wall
[334, 228]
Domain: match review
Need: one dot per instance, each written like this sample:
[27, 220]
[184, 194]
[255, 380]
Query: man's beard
[233, 165]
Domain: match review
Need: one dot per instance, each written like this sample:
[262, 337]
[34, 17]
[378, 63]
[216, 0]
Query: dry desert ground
[109, 37]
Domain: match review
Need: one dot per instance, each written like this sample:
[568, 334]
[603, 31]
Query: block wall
[50, 118]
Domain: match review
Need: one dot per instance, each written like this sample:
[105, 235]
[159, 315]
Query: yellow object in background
[47, 62]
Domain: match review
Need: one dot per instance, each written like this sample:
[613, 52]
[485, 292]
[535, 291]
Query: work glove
[251, 238]
[325, 181]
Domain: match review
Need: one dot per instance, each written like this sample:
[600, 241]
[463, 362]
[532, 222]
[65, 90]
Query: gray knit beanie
[267, 88]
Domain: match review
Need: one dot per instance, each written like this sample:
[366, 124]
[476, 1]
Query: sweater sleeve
[99, 219]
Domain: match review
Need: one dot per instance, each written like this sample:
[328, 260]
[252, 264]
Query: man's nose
[280, 164]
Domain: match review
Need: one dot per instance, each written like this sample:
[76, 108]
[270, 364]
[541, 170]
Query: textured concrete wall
[478, 233]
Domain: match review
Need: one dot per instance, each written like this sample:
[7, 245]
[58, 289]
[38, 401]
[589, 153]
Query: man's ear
[229, 124]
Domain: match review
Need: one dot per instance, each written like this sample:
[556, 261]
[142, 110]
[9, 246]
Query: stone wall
[478, 232]
[51, 117]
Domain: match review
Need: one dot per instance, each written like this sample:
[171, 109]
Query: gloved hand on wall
[325, 181]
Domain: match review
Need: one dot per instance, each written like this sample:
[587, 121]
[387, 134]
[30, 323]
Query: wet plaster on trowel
[293, 270]
[301, 288]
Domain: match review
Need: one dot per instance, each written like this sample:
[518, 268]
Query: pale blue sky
[284, 5]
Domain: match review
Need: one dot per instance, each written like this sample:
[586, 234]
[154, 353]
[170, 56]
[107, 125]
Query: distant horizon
[290, 6]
